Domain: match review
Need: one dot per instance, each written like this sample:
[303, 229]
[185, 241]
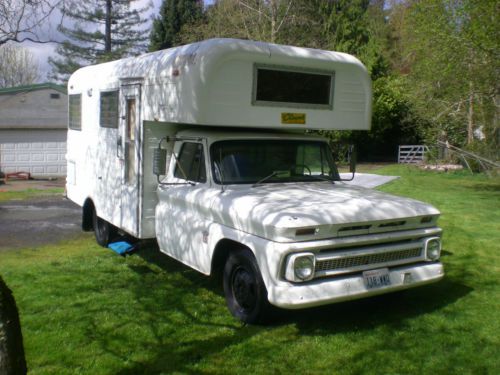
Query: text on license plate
[376, 278]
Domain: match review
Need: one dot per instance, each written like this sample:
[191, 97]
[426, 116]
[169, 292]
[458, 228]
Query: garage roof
[38, 86]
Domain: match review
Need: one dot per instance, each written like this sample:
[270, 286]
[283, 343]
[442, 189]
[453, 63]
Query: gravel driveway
[33, 223]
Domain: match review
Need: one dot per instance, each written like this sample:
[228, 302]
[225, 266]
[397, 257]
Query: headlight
[433, 248]
[300, 267]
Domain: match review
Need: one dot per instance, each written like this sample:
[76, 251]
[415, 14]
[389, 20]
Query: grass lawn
[29, 194]
[86, 310]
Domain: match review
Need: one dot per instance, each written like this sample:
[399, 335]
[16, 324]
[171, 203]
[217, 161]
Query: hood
[311, 211]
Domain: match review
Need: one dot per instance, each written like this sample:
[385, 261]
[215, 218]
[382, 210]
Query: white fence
[412, 153]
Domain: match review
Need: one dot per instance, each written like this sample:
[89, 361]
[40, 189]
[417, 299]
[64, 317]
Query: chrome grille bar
[341, 262]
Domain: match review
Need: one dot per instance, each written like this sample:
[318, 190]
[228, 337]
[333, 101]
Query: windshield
[271, 161]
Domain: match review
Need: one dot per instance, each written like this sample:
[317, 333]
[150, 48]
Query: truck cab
[269, 211]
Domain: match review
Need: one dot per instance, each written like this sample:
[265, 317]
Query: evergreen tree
[173, 15]
[101, 30]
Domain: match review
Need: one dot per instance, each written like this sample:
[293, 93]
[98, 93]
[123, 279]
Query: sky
[41, 52]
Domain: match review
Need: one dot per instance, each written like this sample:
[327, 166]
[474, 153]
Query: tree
[173, 15]
[263, 20]
[452, 61]
[102, 30]
[20, 20]
[17, 66]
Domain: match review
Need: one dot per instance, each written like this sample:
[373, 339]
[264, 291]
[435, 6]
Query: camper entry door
[130, 135]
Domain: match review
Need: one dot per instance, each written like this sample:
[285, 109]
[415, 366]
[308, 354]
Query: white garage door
[40, 152]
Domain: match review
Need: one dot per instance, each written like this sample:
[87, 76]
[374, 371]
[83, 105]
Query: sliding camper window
[75, 112]
[292, 87]
[191, 163]
[109, 109]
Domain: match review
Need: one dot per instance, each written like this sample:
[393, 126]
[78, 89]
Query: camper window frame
[116, 120]
[292, 69]
[75, 122]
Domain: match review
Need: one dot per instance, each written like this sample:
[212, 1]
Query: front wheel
[246, 294]
[103, 230]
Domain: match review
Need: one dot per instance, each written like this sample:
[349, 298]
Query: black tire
[246, 294]
[104, 231]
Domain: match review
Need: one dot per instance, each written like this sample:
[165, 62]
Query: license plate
[376, 278]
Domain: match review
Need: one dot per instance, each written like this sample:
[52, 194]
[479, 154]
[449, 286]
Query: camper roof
[231, 82]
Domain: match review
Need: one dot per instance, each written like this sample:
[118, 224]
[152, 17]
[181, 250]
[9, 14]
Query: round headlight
[304, 267]
[433, 249]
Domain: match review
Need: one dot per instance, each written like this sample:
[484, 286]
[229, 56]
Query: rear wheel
[246, 294]
[103, 230]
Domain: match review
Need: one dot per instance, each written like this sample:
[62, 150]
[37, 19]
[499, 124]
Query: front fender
[267, 256]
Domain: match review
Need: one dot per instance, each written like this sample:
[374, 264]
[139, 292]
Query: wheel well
[87, 215]
[221, 252]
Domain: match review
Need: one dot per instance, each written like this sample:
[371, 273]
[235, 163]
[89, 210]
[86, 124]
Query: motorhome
[210, 149]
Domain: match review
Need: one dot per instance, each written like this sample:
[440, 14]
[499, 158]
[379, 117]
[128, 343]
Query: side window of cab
[191, 163]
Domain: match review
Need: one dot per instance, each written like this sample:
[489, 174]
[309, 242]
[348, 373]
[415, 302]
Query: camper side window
[75, 112]
[109, 109]
[292, 87]
[191, 163]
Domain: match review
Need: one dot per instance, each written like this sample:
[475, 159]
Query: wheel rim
[243, 286]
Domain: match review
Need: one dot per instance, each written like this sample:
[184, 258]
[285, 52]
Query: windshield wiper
[274, 174]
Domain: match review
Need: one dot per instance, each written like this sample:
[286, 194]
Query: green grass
[29, 194]
[86, 310]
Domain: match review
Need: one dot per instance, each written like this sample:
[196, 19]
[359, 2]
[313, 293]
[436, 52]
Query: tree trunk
[107, 31]
[470, 115]
[274, 20]
[12, 361]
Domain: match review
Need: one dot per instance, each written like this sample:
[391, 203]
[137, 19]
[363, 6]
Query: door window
[130, 139]
[191, 163]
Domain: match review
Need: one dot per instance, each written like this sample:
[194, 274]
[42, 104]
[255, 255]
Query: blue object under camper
[121, 247]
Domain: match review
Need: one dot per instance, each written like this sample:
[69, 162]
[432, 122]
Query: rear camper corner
[206, 148]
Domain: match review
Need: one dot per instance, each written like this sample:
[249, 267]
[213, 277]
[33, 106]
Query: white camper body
[208, 83]
[246, 189]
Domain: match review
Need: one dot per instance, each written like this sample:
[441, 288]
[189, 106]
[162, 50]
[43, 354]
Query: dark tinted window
[191, 165]
[283, 86]
[109, 109]
[249, 161]
[75, 112]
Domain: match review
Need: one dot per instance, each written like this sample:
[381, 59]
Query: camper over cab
[206, 148]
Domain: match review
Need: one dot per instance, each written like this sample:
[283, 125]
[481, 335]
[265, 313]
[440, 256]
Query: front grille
[351, 263]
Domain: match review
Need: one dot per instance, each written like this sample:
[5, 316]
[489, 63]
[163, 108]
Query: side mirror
[159, 162]
[352, 155]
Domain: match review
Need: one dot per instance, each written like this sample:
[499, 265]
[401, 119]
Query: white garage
[33, 130]
[39, 152]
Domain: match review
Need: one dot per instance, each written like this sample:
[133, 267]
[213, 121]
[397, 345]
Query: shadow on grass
[175, 352]
[166, 348]
[392, 309]
[493, 188]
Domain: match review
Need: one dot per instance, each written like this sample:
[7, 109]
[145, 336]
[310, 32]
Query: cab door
[183, 214]
[129, 143]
